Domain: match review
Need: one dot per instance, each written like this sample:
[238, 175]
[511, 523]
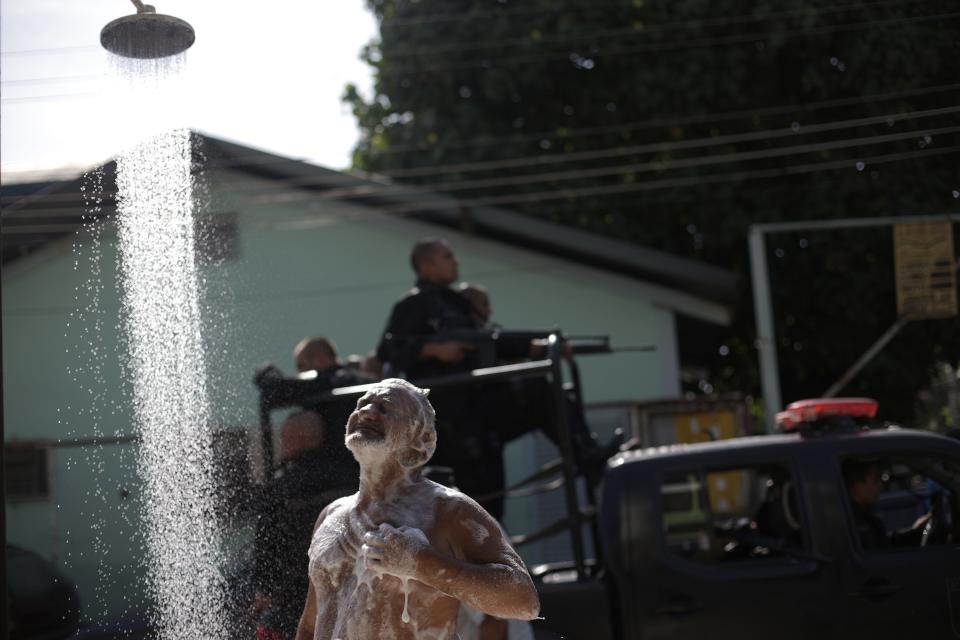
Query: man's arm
[283, 392]
[490, 576]
[397, 347]
[406, 338]
[308, 619]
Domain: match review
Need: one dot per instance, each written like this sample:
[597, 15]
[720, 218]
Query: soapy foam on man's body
[340, 555]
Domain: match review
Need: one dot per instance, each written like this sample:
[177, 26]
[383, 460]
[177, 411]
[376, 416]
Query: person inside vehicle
[864, 484]
[397, 558]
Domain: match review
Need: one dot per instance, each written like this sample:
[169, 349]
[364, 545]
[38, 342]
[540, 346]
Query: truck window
[901, 500]
[731, 514]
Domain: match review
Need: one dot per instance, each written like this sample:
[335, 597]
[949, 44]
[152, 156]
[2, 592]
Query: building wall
[303, 268]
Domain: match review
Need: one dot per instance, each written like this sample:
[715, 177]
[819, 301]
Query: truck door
[736, 559]
[902, 576]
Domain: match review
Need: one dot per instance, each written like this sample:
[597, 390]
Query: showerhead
[147, 34]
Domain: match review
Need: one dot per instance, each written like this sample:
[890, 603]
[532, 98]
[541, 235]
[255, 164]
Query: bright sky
[264, 74]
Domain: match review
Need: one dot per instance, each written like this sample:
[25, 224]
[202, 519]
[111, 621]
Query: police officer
[474, 421]
[430, 308]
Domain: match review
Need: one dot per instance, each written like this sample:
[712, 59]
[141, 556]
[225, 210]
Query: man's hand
[394, 550]
[449, 351]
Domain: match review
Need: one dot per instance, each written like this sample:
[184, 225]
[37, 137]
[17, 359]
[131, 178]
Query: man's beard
[366, 449]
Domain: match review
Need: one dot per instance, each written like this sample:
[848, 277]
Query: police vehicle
[757, 537]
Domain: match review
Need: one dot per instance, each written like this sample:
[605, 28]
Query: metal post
[867, 356]
[266, 435]
[766, 341]
[554, 352]
[953, 394]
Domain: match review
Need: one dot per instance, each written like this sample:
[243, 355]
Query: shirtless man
[395, 560]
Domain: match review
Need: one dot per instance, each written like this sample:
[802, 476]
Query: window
[731, 514]
[902, 500]
[26, 473]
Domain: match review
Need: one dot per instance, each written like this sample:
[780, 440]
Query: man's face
[312, 360]
[441, 267]
[303, 361]
[382, 419]
[866, 492]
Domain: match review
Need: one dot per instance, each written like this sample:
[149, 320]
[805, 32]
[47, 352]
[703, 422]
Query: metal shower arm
[143, 8]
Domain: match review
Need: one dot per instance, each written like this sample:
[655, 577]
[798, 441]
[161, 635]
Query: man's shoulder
[452, 502]
[415, 294]
[411, 299]
[464, 524]
[339, 507]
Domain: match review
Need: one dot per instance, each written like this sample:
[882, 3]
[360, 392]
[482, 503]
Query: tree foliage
[677, 124]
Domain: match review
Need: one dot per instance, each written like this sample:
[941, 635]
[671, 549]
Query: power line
[52, 96]
[663, 165]
[439, 201]
[598, 154]
[493, 62]
[666, 165]
[398, 23]
[26, 52]
[642, 29]
[499, 13]
[707, 118]
[51, 79]
[670, 183]
[352, 190]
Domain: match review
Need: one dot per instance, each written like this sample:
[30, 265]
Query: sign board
[926, 273]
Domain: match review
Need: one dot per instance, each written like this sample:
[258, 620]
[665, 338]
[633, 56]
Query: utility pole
[766, 341]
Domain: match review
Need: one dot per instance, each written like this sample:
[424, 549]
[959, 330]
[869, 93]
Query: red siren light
[812, 410]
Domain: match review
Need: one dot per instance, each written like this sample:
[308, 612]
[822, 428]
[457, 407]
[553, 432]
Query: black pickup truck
[757, 537]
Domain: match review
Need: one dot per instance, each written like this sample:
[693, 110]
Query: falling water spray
[165, 362]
